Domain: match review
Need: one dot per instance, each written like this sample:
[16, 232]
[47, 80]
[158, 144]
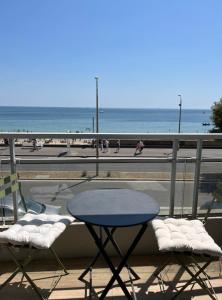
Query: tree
[216, 116]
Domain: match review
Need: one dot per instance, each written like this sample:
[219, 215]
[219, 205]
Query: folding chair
[186, 239]
[33, 232]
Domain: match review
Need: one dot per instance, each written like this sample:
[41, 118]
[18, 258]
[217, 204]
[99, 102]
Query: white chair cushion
[183, 235]
[39, 231]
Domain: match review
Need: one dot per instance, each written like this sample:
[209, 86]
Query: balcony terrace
[181, 172]
[70, 288]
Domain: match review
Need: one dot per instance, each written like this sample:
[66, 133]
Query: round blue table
[110, 209]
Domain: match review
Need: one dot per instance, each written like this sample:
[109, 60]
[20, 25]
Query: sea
[122, 120]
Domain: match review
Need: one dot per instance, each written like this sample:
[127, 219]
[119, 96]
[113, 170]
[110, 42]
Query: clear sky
[145, 52]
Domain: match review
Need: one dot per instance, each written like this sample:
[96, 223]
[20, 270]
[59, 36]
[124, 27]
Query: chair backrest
[10, 185]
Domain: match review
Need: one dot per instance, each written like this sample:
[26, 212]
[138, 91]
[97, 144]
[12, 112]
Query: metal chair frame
[197, 273]
[10, 185]
[21, 267]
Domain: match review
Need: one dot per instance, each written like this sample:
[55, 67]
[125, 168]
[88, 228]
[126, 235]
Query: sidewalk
[83, 151]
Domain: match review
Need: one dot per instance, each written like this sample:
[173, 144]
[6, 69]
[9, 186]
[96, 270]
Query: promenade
[87, 151]
[82, 168]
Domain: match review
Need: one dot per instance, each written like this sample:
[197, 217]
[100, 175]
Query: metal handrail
[124, 136]
[85, 160]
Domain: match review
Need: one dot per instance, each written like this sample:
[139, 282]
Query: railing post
[97, 155]
[12, 155]
[173, 177]
[13, 170]
[196, 178]
[97, 126]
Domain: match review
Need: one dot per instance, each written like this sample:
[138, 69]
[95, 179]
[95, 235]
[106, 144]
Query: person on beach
[117, 146]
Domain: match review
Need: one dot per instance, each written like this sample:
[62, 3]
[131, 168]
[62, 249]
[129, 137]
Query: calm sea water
[111, 119]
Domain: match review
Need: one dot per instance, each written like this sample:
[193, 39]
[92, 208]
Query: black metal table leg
[95, 258]
[118, 250]
[116, 271]
[87, 270]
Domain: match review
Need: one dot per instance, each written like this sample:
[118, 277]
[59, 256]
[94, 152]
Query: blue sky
[145, 52]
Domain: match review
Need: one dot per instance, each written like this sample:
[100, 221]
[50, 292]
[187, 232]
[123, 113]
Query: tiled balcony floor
[69, 287]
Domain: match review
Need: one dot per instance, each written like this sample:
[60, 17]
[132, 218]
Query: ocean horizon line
[101, 107]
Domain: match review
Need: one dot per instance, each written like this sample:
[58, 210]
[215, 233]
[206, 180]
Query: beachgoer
[117, 146]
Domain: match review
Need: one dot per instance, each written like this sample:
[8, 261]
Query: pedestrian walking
[139, 147]
[34, 144]
[104, 145]
[93, 143]
[106, 148]
[117, 146]
[6, 142]
[101, 145]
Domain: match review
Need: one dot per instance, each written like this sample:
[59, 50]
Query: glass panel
[210, 187]
[55, 193]
[151, 178]
[184, 188]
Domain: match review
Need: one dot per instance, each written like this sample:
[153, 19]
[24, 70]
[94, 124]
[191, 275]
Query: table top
[113, 207]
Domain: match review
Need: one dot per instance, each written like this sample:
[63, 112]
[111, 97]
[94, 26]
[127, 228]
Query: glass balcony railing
[181, 171]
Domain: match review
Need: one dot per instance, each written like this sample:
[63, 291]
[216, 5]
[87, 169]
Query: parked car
[32, 206]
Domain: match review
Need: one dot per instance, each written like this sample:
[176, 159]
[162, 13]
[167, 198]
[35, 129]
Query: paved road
[59, 192]
[88, 151]
[26, 152]
[121, 167]
[125, 167]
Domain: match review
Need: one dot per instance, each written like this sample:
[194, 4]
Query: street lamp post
[97, 126]
[180, 107]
